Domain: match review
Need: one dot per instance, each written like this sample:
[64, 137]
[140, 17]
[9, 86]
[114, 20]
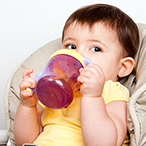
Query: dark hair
[112, 16]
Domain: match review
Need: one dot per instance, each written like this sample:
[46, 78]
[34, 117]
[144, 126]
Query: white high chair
[136, 84]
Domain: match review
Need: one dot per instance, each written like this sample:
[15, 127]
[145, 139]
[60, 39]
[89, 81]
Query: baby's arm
[27, 120]
[101, 124]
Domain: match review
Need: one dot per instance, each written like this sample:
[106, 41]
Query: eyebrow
[67, 39]
[96, 40]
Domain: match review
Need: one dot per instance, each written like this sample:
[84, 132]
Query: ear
[126, 66]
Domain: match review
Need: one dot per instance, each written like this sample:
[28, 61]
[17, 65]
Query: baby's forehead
[106, 24]
[96, 30]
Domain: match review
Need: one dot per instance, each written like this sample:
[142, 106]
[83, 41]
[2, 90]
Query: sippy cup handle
[40, 75]
[86, 61]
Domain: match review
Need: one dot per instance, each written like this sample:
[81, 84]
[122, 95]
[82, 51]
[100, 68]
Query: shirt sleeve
[114, 91]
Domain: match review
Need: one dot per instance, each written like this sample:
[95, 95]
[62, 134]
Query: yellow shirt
[62, 127]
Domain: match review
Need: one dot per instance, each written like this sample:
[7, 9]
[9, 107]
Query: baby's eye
[96, 49]
[71, 46]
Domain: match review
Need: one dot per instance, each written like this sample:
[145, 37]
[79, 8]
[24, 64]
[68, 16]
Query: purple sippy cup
[58, 81]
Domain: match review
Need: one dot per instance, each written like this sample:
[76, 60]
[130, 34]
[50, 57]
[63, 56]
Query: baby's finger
[27, 73]
[31, 83]
[81, 69]
[26, 94]
[86, 73]
[94, 68]
[82, 79]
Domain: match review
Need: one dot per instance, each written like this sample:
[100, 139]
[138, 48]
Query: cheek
[109, 66]
[110, 71]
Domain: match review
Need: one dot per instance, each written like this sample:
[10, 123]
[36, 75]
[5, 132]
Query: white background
[26, 25]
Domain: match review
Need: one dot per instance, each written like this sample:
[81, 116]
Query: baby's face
[100, 44]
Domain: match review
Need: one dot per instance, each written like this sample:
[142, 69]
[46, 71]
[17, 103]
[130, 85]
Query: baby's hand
[27, 98]
[92, 79]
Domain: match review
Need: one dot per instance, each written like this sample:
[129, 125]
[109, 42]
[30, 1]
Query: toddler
[97, 116]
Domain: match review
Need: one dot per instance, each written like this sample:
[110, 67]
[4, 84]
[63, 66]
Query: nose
[80, 50]
[83, 52]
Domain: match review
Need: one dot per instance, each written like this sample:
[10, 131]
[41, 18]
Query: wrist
[27, 105]
[91, 96]
[92, 100]
[26, 110]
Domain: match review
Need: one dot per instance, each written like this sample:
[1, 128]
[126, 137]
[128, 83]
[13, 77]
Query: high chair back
[135, 83]
[137, 102]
